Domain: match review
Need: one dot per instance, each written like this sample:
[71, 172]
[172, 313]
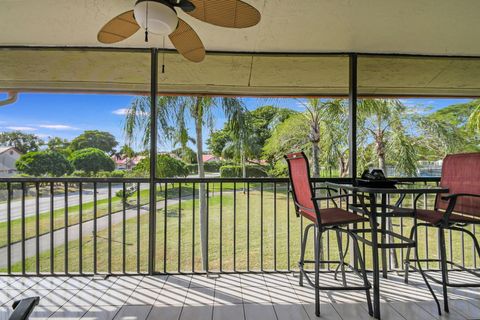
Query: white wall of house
[8, 157]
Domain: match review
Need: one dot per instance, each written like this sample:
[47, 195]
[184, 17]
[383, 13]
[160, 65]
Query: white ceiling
[440, 27]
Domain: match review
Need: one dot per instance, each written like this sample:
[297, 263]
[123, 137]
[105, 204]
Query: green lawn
[74, 214]
[239, 214]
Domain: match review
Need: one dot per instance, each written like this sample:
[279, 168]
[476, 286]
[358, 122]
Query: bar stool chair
[323, 220]
[454, 211]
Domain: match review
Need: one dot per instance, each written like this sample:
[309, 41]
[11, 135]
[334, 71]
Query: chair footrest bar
[437, 281]
[344, 288]
[406, 242]
[321, 262]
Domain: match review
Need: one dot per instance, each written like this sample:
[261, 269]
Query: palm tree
[474, 120]
[313, 113]
[387, 127]
[171, 116]
[335, 135]
[181, 137]
[383, 120]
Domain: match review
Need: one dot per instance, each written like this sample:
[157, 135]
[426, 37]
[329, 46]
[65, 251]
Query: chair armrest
[409, 183]
[456, 195]
[325, 188]
[332, 197]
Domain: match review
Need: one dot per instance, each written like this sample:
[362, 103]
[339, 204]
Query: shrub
[40, 163]
[192, 168]
[92, 160]
[79, 173]
[280, 169]
[167, 167]
[236, 171]
[117, 174]
[130, 191]
[212, 166]
[103, 174]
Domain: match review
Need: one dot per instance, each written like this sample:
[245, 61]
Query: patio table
[383, 210]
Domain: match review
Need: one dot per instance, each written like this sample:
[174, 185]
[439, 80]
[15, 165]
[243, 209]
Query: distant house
[125, 163]
[8, 157]
[210, 158]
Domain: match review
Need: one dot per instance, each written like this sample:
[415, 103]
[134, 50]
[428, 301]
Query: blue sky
[68, 115]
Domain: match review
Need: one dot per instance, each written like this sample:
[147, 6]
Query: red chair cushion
[302, 188]
[300, 179]
[435, 216]
[461, 174]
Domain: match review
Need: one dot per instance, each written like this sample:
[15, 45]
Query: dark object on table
[375, 179]
[23, 308]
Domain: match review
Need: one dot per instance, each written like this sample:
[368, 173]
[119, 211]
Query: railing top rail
[74, 179]
[193, 180]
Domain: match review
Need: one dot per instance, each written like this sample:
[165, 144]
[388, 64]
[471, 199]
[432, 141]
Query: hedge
[211, 166]
[236, 171]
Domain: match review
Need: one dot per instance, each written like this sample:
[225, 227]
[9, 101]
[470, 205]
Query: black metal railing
[102, 226]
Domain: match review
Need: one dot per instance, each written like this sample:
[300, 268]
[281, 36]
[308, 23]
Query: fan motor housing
[156, 16]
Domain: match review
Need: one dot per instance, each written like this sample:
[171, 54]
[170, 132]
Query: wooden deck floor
[231, 297]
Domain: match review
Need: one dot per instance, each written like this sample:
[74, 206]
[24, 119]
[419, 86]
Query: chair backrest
[461, 174]
[299, 172]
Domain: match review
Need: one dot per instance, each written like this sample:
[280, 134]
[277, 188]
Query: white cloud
[125, 111]
[21, 128]
[120, 112]
[57, 127]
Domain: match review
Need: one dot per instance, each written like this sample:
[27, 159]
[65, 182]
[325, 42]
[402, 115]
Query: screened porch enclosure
[190, 247]
[251, 223]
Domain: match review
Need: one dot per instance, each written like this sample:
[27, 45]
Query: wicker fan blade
[187, 42]
[119, 28]
[225, 13]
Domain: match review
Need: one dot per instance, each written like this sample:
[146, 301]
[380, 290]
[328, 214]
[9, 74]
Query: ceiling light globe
[155, 16]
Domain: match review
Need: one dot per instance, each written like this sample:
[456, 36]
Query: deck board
[231, 297]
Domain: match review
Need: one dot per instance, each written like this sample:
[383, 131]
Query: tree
[186, 154]
[474, 120]
[313, 118]
[41, 163]
[171, 117]
[262, 121]
[60, 145]
[94, 139]
[303, 131]
[92, 160]
[397, 135]
[465, 118]
[181, 138]
[259, 123]
[167, 167]
[217, 141]
[23, 142]
[290, 135]
[127, 151]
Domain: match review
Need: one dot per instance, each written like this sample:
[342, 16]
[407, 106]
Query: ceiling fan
[160, 17]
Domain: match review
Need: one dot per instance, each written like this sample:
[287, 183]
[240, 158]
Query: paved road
[59, 202]
[73, 233]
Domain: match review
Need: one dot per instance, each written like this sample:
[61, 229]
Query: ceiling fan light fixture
[156, 16]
